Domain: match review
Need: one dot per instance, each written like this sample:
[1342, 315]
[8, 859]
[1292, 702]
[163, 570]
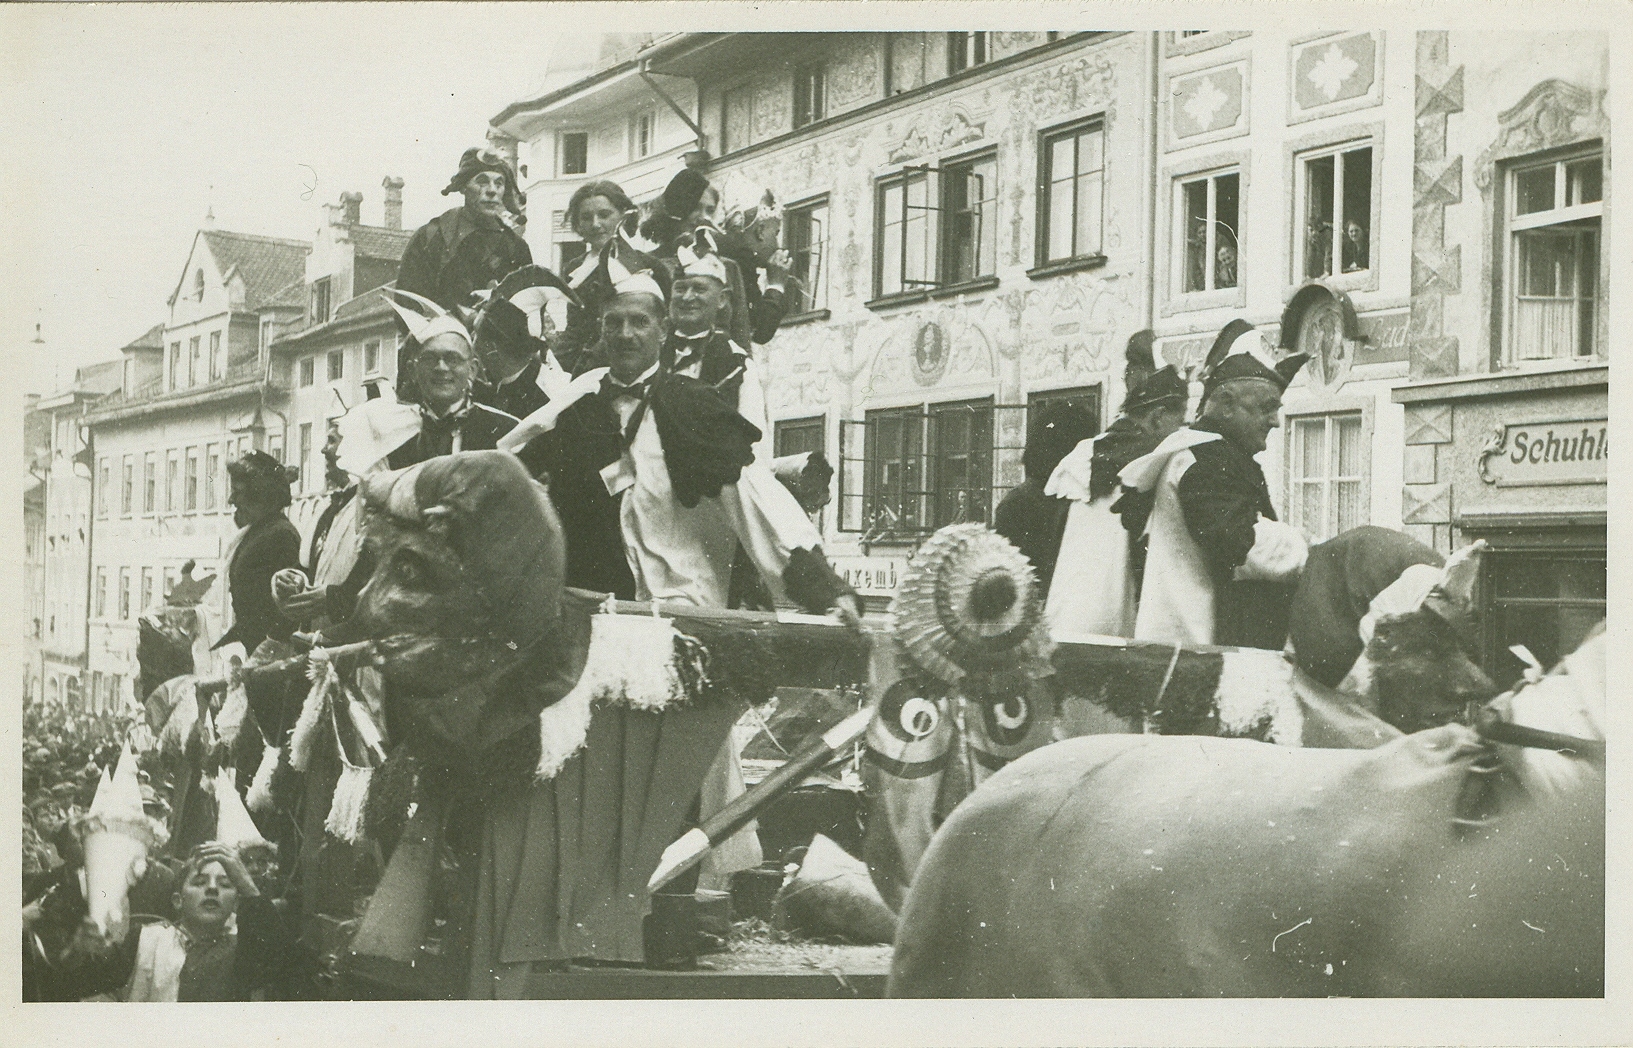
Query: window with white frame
[936, 226]
[1071, 184]
[172, 480]
[124, 593]
[810, 94]
[147, 589]
[104, 480]
[190, 480]
[1326, 468]
[1209, 206]
[641, 129]
[575, 152]
[1335, 200]
[371, 357]
[336, 364]
[805, 235]
[1554, 210]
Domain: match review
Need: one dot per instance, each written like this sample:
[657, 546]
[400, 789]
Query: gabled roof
[153, 338]
[267, 265]
[291, 297]
[380, 242]
[102, 377]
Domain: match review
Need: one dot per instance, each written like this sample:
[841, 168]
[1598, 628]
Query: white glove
[1277, 555]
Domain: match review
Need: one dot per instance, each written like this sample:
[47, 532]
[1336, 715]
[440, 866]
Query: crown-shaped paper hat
[428, 321]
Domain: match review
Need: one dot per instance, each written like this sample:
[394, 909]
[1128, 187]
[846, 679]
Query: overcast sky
[124, 123]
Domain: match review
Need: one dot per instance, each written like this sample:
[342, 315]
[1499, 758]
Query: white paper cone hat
[233, 824]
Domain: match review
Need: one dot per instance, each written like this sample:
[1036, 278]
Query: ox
[1151, 866]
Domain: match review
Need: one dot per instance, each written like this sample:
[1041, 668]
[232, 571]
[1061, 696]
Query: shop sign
[1537, 454]
[1385, 339]
[871, 576]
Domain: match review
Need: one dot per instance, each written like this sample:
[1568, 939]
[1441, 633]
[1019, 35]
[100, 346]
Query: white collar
[463, 404]
[644, 376]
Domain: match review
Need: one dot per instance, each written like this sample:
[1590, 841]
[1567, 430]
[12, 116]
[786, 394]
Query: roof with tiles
[380, 242]
[267, 265]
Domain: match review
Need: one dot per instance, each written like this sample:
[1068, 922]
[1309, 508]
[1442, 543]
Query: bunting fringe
[258, 798]
[304, 738]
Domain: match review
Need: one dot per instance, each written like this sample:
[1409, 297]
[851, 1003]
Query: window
[150, 481]
[1071, 185]
[191, 480]
[1336, 189]
[127, 485]
[172, 480]
[937, 227]
[969, 205]
[1209, 207]
[337, 364]
[965, 51]
[798, 436]
[922, 467]
[371, 357]
[198, 285]
[1545, 599]
[306, 453]
[169, 580]
[101, 592]
[124, 594]
[308, 371]
[810, 94]
[1554, 212]
[1326, 458]
[640, 134]
[195, 374]
[575, 152]
[805, 235]
[275, 446]
[104, 479]
[906, 230]
[216, 368]
[175, 365]
[212, 467]
[147, 588]
[320, 300]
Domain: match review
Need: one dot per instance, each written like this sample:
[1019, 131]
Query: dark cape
[1034, 522]
[1222, 496]
[266, 548]
[480, 428]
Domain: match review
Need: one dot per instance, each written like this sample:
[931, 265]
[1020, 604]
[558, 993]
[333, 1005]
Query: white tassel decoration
[231, 718]
[345, 819]
[258, 798]
[304, 738]
[367, 731]
[563, 726]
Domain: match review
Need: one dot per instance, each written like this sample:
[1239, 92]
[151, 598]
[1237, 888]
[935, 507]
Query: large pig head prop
[464, 602]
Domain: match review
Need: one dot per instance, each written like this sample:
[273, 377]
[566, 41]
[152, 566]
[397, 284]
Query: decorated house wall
[1004, 338]
[1261, 107]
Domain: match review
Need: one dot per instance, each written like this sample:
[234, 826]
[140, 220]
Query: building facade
[1507, 402]
[36, 459]
[64, 466]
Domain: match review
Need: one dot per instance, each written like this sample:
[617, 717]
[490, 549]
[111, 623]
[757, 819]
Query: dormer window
[198, 285]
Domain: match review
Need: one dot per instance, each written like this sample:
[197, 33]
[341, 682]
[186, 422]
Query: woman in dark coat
[267, 545]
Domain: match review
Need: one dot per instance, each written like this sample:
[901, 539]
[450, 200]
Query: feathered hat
[477, 159]
[428, 321]
[1241, 352]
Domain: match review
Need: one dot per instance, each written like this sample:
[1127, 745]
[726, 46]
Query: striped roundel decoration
[911, 733]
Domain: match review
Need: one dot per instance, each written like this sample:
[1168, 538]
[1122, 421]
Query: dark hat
[681, 195]
[477, 159]
[1162, 385]
[259, 471]
[1222, 342]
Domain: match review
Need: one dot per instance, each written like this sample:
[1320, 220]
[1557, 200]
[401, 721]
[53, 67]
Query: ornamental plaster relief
[1086, 82]
[1072, 329]
[853, 75]
[936, 347]
[800, 368]
[772, 109]
[932, 131]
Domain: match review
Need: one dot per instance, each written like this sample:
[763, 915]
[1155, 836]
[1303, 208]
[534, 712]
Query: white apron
[1176, 594]
[1092, 592]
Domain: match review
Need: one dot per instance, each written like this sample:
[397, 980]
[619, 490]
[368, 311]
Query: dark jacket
[518, 397]
[722, 366]
[1222, 496]
[266, 549]
[479, 426]
[1034, 522]
[458, 252]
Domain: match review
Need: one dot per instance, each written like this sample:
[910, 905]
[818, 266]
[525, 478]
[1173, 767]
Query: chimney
[394, 202]
[352, 203]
